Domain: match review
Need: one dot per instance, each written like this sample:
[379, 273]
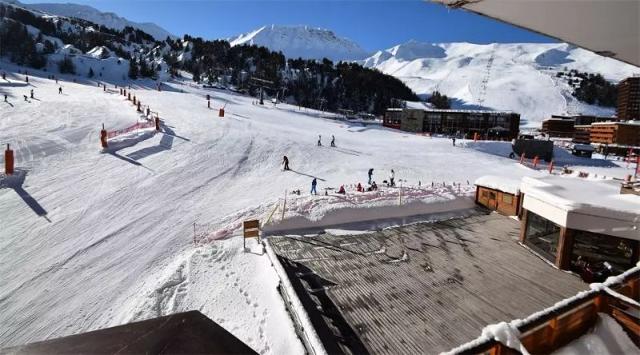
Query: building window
[542, 236]
[507, 199]
[593, 248]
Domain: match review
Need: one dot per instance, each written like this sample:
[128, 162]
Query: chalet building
[567, 126]
[559, 127]
[488, 124]
[499, 193]
[392, 118]
[582, 134]
[571, 221]
[616, 138]
[629, 99]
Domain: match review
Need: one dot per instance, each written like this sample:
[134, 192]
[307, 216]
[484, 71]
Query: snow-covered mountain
[520, 77]
[303, 41]
[88, 13]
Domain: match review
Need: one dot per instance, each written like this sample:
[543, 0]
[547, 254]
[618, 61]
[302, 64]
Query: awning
[608, 27]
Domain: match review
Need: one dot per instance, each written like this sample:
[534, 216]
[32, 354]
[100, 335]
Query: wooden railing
[559, 326]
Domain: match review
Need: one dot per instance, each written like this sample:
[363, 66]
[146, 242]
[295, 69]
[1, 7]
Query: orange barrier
[8, 161]
[221, 112]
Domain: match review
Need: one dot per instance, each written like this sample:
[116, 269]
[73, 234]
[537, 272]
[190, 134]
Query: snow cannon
[157, 123]
[103, 138]
[8, 161]
[221, 112]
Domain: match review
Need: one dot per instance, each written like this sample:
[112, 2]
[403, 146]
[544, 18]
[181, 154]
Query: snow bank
[606, 338]
[300, 314]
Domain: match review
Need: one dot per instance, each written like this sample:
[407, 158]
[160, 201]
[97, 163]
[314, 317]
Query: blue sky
[374, 24]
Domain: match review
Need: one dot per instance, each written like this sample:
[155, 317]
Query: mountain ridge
[88, 13]
[302, 41]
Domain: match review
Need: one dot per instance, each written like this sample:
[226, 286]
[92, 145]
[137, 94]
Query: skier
[370, 175]
[359, 188]
[341, 190]
[27, 79]
[454, 141]
[5, 98]
[319, 140]
[285, 161]
[59, 90]
[4, 76]
[333, 140]
[32, 93]
[392, 176]
[314, 182]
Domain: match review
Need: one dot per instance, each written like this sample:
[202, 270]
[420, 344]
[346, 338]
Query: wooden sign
[251, 229]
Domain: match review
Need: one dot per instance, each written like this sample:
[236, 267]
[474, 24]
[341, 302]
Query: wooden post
[565, 248]
[8, 161]
[523, 225]
[103, 137]
[284, 205]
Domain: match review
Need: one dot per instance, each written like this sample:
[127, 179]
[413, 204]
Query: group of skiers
[372, 184]
[333, 140]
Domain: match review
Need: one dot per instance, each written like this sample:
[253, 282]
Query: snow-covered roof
[418, 105]
[502, 183]
[583, 204]
[633, 122]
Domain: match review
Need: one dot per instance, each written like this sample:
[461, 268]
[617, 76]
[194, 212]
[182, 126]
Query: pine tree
[133, 69]
[91, 74]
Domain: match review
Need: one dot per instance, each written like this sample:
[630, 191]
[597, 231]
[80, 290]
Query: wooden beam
[565, 248]
[523, 225]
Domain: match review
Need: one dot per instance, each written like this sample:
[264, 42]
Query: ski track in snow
[92, 239]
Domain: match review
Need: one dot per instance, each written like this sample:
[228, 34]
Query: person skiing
[319, 140]
[5, 97]
[333, 140]
[60, 90]
[285, 161]
[314, 182]
[454, 141]
[341, 190]
[370, 175]
[392, 177]
[359, 188]
[32, 93]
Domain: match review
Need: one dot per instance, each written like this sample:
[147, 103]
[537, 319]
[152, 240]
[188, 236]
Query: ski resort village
[286, 191]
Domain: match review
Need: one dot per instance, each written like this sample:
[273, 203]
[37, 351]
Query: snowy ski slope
[90, 239]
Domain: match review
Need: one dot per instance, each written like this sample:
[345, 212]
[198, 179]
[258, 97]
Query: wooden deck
[423, 288]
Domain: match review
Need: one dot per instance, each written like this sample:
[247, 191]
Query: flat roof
[502, 183]
[583, 203]
[420, 288]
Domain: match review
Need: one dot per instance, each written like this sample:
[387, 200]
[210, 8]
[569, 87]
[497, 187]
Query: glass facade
[542, 236]
[595, 248]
